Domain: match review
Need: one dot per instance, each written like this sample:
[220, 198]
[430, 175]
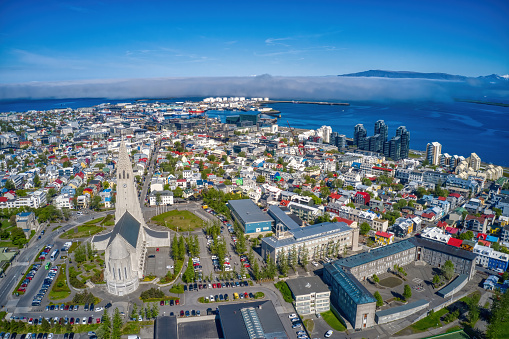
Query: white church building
[126, 245]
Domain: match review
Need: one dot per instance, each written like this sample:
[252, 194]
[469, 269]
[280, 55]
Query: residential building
[384, 238]
[404, 135]
[474, 162]
[433, 151]
[311, 295]
[166, 198]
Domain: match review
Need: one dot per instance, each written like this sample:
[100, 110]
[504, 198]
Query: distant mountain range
[417, 75]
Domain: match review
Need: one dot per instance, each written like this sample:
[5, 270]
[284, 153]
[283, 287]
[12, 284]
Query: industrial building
[250, 217]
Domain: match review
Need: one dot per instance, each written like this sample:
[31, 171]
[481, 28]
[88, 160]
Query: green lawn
[285, 291]
[134, 327]
[83, 231]
[309, 324]
[95, 221]
[331, 319]
[60, 290]
[7, 244]
[183, 220]
[109, 220]
[454, 328]
[430, 321]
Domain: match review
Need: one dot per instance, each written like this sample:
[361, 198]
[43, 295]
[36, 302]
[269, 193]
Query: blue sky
[78, 40]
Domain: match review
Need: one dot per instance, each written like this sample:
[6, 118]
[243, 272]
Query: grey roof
[320, 229]
[350, 284]
[233, 325]
[157, 234]
[444, 248]
[307, 285]
[165, 327]
[375, 254]
[278, 214]
[247, 210]
[101, 237]
[128, 227]
[402, 308]
[454, 284]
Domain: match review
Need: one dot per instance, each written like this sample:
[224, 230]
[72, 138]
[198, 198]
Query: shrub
[285, 291]
[152, 293]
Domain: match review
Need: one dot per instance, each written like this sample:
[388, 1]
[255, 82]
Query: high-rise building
[325, 132]
[338, 140]
[475, 162]
[445, 160]
[433, 151]
[359, 136]
[383, 131]
[395, 148]
[405, 141]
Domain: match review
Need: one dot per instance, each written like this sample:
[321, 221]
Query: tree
[407, 293]
[379, 300]
[293, 258]
[158, 198]
[436, 279]
[95, 204]
[177, 192]
[189, 273]
[155, 310]
[134, 311]
[304, 257]
[448, 270]
[182, 248]
[364, 228]
[256, 270]
[270, 270]
[260, 179]
[44, 325]
[117, 325]
[175, 248]
[240, 246]
[499, 316]
[376, 279]
[18, 237]
[9, 185]
[283, 263]
[37, 180]
[468, 235]
[473, 309]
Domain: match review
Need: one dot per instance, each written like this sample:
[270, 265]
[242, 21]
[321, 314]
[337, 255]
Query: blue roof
[314, 230]
[24, 214]
[247, 210]
[453, 285]
[354, 289]
[491, 238]
[402, 308]
[376, 254]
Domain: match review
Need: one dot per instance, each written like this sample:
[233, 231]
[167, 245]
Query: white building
[166, 198]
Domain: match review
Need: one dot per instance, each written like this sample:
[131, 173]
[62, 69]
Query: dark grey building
[251, 320]
[404, 134]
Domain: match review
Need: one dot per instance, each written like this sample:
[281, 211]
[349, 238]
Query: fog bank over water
[311, 88]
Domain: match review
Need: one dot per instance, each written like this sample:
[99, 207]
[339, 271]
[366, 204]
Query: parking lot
[158, 261]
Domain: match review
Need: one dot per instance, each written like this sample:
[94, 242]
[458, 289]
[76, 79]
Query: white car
[50, 336]
[293, 315]
[84, 321]
[99, 309]
[328, 333]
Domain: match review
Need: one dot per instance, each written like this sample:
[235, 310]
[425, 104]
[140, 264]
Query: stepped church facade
[126, 244]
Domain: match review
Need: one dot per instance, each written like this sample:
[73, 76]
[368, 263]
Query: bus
[48, 264]
[54, 255]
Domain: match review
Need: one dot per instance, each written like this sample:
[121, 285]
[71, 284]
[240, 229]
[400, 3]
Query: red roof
[456, 195]
[284, 203]
[335, 196]
[382, 168]
[441, 224]
[384, 234]
[455, 242]
[480, 219]
[428, 215]
[481, 236]
[441, 198]
[347, 221]
[484, 242]
[451, 230]
[3, 199]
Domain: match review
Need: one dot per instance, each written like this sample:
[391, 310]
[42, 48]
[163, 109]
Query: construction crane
[296, 140]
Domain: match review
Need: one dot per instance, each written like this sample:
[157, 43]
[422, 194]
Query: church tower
[127, 197]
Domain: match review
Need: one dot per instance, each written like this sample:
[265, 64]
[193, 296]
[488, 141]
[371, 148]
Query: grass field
[183, 220]
[390, 282]
[430, 321]
[95, 221]
[83, 231]
[109, 220]
[309, 324]
[331, 319]
[60, 290]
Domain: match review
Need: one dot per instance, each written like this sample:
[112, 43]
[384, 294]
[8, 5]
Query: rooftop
[375, 254]
[307, 285]
[247, 210]
[350, 284]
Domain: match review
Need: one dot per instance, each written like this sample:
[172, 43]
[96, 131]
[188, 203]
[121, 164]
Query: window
[119, 275]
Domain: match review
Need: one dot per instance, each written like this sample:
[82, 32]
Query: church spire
[127, 195]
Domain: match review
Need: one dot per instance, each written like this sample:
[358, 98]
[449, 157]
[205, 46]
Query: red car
[98, 320]
[23, 285]
[213, 285]
[161, 303]
[22, 290]
[177, 301]
[218, 285]
[247, 265]
[181, 313]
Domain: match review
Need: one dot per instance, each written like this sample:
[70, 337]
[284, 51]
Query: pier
[305, 102]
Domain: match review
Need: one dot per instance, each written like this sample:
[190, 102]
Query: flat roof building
[311, 295]
[250, 217]
[251, 320]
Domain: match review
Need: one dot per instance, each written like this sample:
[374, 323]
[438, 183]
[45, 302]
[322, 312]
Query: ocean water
[460, 127]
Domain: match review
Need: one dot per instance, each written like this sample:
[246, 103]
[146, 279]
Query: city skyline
[57, 41]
